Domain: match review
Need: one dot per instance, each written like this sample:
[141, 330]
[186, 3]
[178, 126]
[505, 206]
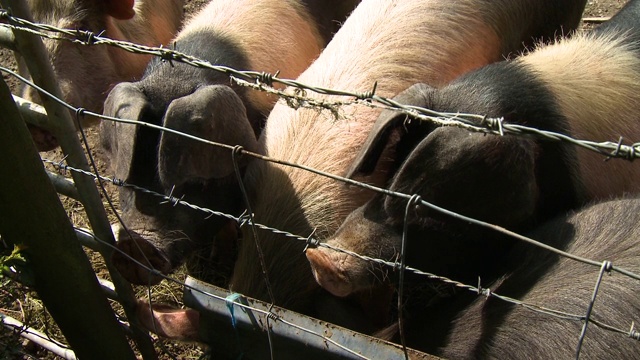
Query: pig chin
[332, 271]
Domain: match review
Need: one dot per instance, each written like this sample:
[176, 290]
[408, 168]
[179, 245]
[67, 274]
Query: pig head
[449, 167]
[164, 233]
[85, 74]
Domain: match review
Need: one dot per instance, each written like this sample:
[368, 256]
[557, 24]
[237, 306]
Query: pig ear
[366, 160]
[468, 173]
[125, 101]
[120, 9]
[214, 113]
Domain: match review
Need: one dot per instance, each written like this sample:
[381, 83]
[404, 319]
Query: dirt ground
[18, 302]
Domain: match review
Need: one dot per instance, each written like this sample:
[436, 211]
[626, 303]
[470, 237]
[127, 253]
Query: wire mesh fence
[296, 96]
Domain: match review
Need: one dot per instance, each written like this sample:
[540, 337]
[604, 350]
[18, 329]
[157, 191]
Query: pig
[391, 44]
[572, 87]
[490, 328]
[86, 74]
[258, 35]
[471, 326]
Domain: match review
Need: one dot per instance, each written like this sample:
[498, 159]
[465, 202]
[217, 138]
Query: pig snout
[342, 274]
[331, 270]
[135, 255]
[168, 322]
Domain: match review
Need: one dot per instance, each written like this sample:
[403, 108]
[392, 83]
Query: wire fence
[296, 96]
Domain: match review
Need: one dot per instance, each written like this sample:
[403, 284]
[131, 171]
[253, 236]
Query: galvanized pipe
[63, 185]
[37, 337]
[7, 40]
[32, 113]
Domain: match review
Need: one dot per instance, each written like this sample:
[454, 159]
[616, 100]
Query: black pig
[587, 86]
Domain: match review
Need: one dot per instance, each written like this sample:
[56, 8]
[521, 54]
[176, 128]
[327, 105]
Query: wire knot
[415, 199]
[493, 124]
[62, 167]
[272, 316]
[237, 150]
[117, 182]
[311, 242]
[633, 333]
[369, 94]
[244, 218]
[174, 201]
[607, 266]
[80, 113]
[266, 78]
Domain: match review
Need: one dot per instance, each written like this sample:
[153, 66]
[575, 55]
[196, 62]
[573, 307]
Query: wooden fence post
[31, 214]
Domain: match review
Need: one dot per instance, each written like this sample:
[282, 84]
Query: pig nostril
[328, 275]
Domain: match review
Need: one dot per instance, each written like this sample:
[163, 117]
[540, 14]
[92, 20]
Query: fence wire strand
[475, 289]
[174, 200]
[296, 96]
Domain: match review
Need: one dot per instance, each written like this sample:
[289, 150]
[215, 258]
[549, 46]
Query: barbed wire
[310, 240]
[298, 96]
[475, 289]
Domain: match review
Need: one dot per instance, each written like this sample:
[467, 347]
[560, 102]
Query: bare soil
[19, 302]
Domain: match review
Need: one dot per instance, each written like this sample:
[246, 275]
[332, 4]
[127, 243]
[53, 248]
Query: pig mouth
[169, 322]
[133, 258]
[331, 272]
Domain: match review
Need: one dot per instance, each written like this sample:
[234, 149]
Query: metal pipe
[32, 113]
[295, 336]
[63, 185]
[7, 40]
[37, 337]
